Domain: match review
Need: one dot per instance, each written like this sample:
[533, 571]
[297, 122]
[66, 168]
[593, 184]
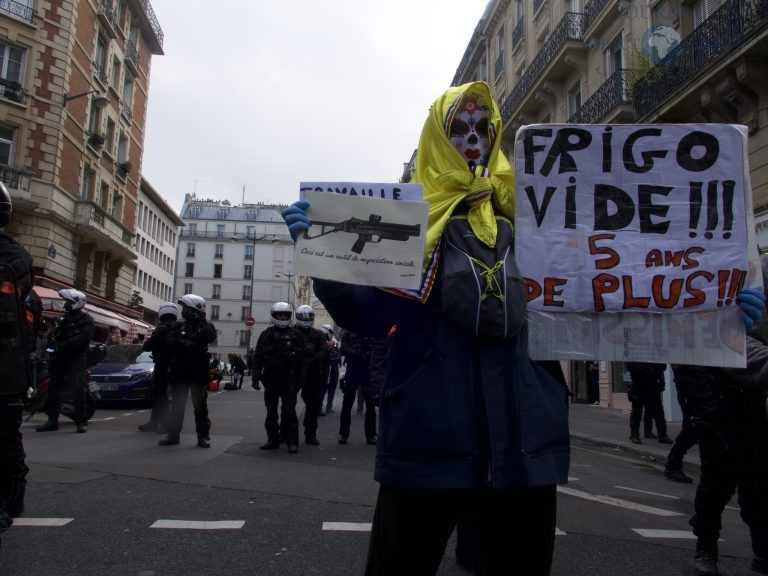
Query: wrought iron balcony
[571, 27]
[537, 4]
[518, 33]
[17, 10]
[132, 56]
[125, 110]
[592, 10]
[730, 27]
[15, 178]
[613, 92]
[152, 21]
[108, 17]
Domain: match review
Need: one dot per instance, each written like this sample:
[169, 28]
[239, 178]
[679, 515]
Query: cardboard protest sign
[359, 239]
[634, 240]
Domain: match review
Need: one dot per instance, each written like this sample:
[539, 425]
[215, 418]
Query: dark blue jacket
[451, 406]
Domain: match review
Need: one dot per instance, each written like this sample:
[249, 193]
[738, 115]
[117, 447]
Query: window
[103, 195]
[246, 292]
[122, 148]
[11, 67]
[188, 288]
[249, 252]
[109, 136]
[574, 99]
[86, 186]
[702, 9]
[215, 312]
[217, 270]
[100, 59]
[126, 102]
[191, 249]
[116, 70]
[247, 272]
[7, 145]
[190, 270]
[220, 230]
[250, 231]
[117, 208]
[193, 229]
[219, 251]
[94, 121]
[614, 56]
[216, 295]
[245, 311]
[245, 337]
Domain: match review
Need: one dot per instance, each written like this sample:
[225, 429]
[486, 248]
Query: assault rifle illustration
[371, 230]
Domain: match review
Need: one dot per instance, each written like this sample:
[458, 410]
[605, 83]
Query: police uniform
[159, 343]
[315, 358]
[15, 285]
[277, 364]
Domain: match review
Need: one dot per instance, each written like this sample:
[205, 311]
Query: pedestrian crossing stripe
[199, 524]
[347, 526]
[366, 527]
[651, 533]
[47, 522]
[618, 502]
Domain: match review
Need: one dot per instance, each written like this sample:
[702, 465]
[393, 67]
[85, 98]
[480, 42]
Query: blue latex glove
[296, 218]
[752, 304]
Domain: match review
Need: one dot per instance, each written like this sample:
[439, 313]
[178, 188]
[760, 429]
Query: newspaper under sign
[635, 240]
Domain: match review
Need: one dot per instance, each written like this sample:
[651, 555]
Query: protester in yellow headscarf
[460, 159]
[471, 430]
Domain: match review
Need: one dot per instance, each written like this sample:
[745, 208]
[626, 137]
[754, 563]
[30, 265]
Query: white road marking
[366, 527]
[347, 526]
[101, 419]
[618, 502]
[651, 533]
[128, 414]
[199, 524]
[647, 492]
[572, 479]
[24, 521]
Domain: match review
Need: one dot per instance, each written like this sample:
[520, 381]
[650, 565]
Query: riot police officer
[315, 356]
[159, 343]
[277, 364]
[189, 342]
[15, 366]
[68, 347]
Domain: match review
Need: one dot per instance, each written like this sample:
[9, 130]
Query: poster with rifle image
[363, 239]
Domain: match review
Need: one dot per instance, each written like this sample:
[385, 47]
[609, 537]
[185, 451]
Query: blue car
[125, 374]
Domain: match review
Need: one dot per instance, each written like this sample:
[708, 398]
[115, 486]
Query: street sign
[250, 321]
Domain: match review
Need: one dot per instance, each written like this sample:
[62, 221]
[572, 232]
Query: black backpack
[480, 287]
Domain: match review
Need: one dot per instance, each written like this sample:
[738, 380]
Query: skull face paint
[469, 131]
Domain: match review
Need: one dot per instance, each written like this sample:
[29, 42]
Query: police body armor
[13, 337]
[282, 355]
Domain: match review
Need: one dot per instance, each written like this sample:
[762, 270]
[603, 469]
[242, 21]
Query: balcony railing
[108, 17]
[125, 110]
[537, 4]
[571, 27]
[152, 19]
[15, 178]
[592, 10]
[132, 55]
[17, 10]
[613, 93]
[518, 33]
[730, 27]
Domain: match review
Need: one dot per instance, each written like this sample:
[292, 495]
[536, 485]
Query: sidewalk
[610, 427]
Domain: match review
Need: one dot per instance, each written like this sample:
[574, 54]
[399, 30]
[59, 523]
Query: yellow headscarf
[447, 179]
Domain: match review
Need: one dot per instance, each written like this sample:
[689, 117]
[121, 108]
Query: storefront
[109, 327]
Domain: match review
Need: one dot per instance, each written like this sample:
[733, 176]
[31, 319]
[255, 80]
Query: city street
[113, 502]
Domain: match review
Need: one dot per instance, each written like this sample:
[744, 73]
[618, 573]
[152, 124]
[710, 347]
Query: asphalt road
[113, 502]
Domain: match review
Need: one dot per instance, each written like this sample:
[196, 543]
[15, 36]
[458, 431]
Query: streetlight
[290, 284]
[254, 240]
[99, 101]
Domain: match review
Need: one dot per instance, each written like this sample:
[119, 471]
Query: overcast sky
[267, 93]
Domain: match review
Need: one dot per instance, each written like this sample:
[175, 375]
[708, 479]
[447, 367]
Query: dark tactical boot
[49, 426]
[203, 442]
[270, 446]
[705, 564]
[677, 476]
[169, 440]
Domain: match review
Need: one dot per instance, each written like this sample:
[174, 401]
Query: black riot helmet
[5, 206]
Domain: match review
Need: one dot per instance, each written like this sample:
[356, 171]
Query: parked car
[125, 374]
